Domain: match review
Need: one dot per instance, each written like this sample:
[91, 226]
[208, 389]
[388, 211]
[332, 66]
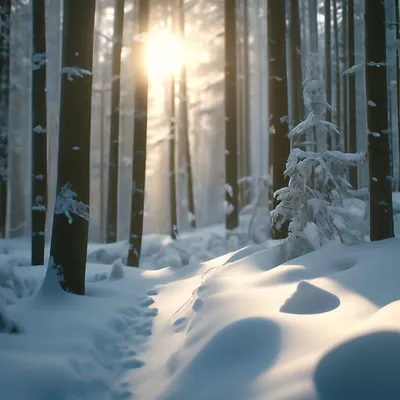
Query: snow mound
[366, 367]
[310, 299]
[230, 360]
[117, 271]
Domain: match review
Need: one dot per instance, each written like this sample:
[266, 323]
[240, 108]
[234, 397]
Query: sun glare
[164, 54]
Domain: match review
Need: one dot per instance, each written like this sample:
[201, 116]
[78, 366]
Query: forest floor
[242, 326]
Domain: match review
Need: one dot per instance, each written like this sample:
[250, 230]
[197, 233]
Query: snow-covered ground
[245, 325]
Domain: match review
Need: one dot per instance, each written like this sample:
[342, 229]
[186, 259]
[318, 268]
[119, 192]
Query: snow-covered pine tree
[316, 201]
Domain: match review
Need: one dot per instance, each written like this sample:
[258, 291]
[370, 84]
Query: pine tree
[183, 122]
[113, 165]
[140, 137]
[314, 201]
[231, 165]
[5, 11]
[278, 100]
[381, 208]
[71, 217]
[39, 133]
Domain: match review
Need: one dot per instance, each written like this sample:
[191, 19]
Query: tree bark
[297, 104]
[345, 122]
[39, 133]
[113, 165]
[140, 138]
[328, 69]
[244, 103]
[353, 174]
[381, 209]
[278, 100]
[337, 71]
[231, 165]
[5, 7]
[397, 11]
[184, 122]
[70, 233]
[172, 144]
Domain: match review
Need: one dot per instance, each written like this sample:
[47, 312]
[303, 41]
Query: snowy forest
[199, 199]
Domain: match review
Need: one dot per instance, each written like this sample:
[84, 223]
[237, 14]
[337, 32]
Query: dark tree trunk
[381, 209]
[328, 69]
[5, 7]
[172, 145]
[278, 100]
[345, 121]
[231, 164]
[172, 164]
[297, 104]
[353, 178]
[337, 67]
[397, 10]
[184, 122]
[70, 233]
[113, 164]
[243, 102]
[39, 133]
[140, 139]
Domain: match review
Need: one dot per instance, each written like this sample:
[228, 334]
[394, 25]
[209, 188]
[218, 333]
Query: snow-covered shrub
[117, 271]
[315, 200]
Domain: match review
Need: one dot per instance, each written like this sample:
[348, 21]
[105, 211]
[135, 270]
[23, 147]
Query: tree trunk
[231, 165]
[397, 10]
[328, 70]
[381, 209]
[353, 174]
[337, 71]
[278, 101]
[345, 122]
[184, 122]
[244, 102]
[172, 144]
[112, 206]
[39, 133]
[297, 104]
[5, 6]
[71, 220]
[140, 138]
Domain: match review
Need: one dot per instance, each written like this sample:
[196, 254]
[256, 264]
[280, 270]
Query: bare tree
[297, 104]
[337, 69]
[71, 217]
[39, 133]
[231, 164]
[381, 208]
[140, 137]
[278, 100]
[5, 12]
[352, 95]
[172, 143]
[328, 62]
[184, 122]
[113, 165]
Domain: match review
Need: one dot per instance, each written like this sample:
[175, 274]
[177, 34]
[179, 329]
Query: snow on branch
[67, 204]
[75, 72]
